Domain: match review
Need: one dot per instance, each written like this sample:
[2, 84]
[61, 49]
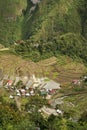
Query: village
[25, 87]
[30, 86]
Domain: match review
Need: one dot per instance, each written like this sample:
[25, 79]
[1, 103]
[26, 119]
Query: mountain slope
[10, 20]
[41, 20]
[55, 17]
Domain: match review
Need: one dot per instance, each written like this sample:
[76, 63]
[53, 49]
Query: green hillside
[43, 43]
[53, 18]
[47, 28]
[10, 20]
[50, 18]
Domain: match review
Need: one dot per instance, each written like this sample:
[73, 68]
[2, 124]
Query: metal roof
[29, 84]
[52, 85]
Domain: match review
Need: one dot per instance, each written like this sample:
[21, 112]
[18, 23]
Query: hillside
[41, 20]
[71, 98]
[61, 68]
[43, 29]
[52, 18]
[10, 20]
[43, 64]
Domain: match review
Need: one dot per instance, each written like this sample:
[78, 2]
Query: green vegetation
[52, 27]
[55, 17]
[10, 20]
[13, 120]
[55, 28]
[71, 44]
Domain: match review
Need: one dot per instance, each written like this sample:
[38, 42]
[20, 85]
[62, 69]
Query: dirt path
[4, 49]
[17, 103]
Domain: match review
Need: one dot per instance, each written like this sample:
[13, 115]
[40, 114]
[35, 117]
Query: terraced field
[48, 62]
[65, 69]
[12, 65]
[61, 69]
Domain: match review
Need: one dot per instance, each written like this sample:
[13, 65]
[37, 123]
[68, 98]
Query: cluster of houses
[29, 86]
[79, 81]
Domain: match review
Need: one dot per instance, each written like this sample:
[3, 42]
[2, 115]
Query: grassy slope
[50, 19]
[53, 18]
[10, 20]
[62, 69]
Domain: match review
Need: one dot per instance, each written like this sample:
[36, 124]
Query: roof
[29, 84]
[43, 93]
[17, 79]
[51, 85]
[25, 79]
[10, 81]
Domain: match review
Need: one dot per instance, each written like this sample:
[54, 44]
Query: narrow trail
[70, 94]
[17, 103]
[59, 99]
[4, 49]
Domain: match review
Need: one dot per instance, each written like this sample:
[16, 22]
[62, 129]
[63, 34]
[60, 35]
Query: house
[11, 97]
[29, 84]
[59, 112]
[43, 93]
[75, 81]
[22, 91]
[17, 79]
[27, 94]
[9, 82]
[32, 92]
[51, 86]
[18, 94]
[25, 79]
[39, 82]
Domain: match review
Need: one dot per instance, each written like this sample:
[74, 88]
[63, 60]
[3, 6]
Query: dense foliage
[10, 20]
[53, 27]
[13, 120]
[70, 44]
[43, 21]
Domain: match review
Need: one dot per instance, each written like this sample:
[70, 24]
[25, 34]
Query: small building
[11, 97]
[29, 84]
[27, 94]
[59, 112]
[51, 86]
[43, 93]
[22, 91]
[9, 82]
[17, 79]
[25, 79]
[75, 81]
